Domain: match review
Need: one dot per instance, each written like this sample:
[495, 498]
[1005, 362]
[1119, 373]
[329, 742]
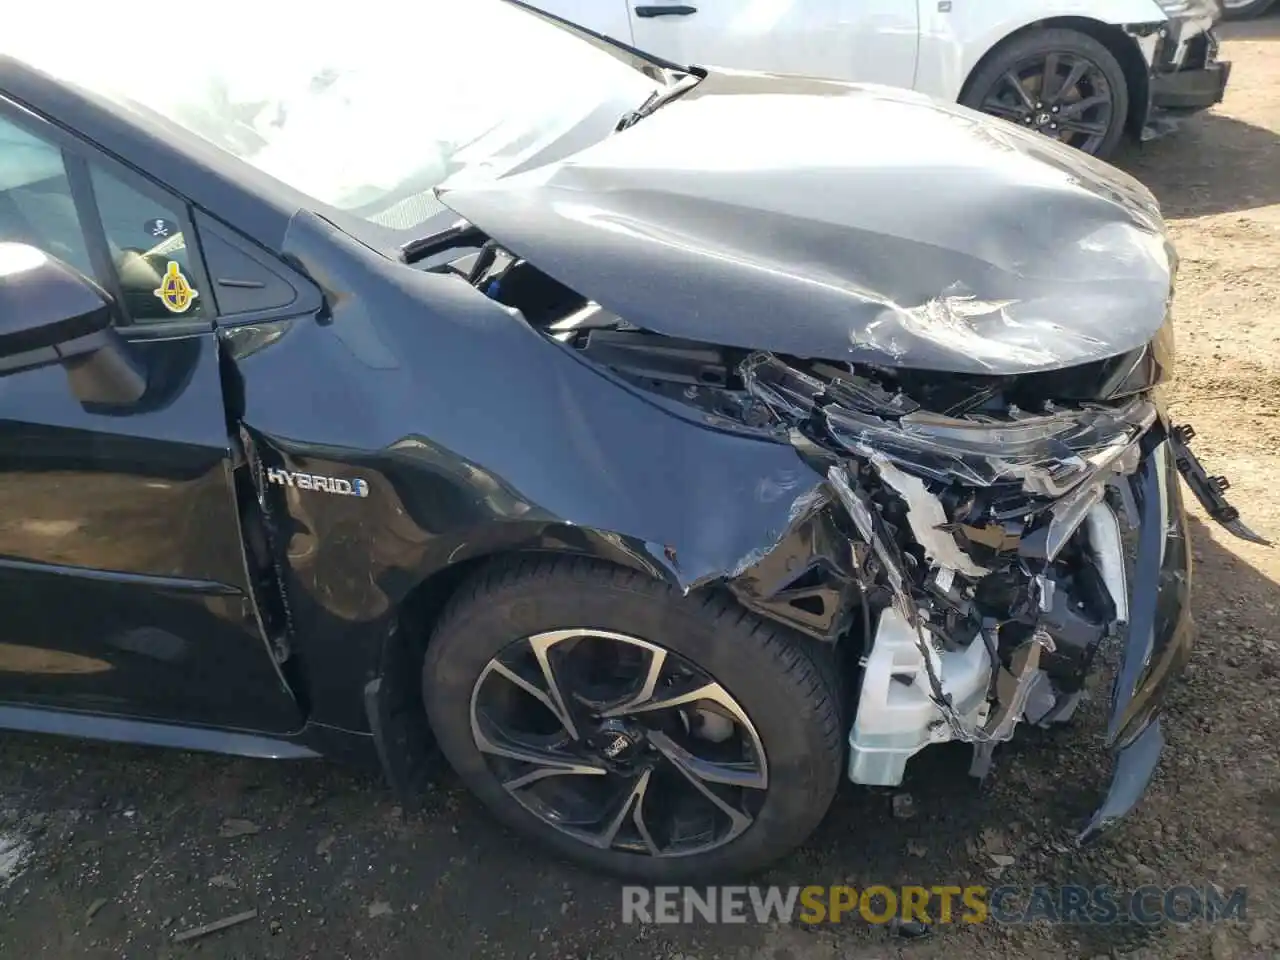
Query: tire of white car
[1069, 86]
[1245, 9]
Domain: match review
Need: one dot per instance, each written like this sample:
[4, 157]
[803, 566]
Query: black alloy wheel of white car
[1058, 82]
[1245, 9]
[629, 727]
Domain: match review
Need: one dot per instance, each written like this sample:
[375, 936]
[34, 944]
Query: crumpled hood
[847, 222]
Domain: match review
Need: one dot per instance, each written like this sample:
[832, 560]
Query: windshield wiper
[658, 99]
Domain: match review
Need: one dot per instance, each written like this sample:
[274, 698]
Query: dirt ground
[109, 851]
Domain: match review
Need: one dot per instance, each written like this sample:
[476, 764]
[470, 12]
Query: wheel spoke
[1003, 110]
[532, 689]
[632, 800]
[541, 646]
[1049, 78]
[679, 758]
[1011, 78]
[713, 693]
[1075, 110]
[547, 760]
[710, 691]
[708, 771]
[642, 828]
[1078, 70]
[657, 659]
[542, 773]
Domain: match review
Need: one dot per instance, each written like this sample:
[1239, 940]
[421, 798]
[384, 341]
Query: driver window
[144, 236]
[36, 207]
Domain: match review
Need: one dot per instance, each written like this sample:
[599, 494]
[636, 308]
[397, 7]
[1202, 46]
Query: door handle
[676, 10]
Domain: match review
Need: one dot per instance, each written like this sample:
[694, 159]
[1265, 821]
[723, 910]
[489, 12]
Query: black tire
[1246, 11]
[987, 89]
[785, 684]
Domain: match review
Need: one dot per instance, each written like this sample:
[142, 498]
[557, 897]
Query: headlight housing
[1060, 462]
[1049, 455]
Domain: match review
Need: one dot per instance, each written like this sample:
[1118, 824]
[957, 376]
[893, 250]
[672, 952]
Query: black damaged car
[638, 436]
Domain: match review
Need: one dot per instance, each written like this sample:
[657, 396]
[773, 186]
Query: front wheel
[630, 728]
[1058, 82]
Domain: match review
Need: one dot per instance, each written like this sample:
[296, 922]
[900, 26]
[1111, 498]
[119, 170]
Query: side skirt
[91, 726]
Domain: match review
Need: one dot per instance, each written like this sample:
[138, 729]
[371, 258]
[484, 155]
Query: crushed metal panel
[682, 225]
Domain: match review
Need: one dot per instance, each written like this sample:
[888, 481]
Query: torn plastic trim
[885, 549]
[868, 523]
[918, 690]
[1159, 634]
[1208, 490]
[1135, 766]
[1159, 638]
[1107, 547]
[1013, 689]
[1147, 36]
[1064, 460]
[915, 689]
[798, 395]
[928, 520]
[808, 579]
[1067, 515]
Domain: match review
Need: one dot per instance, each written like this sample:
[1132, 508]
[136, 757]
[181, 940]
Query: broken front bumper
[1189, 90]
[1159, 636]
[897, 718]
[987, 560]
[1186, 74]
[1160, 632]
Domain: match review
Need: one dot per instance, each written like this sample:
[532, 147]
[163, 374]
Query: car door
[872, 41]
[609, 18]
[123, 580]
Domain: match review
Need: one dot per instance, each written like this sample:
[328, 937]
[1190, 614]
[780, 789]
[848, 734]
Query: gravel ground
[110, 851]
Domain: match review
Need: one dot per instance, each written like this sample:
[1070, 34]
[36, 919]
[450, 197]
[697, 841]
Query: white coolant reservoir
[896, 715]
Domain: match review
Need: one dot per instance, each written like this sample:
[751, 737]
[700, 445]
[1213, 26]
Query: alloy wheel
[619, 743]
[1062, 95]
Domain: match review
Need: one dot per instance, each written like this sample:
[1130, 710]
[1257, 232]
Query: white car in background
[1245, 9]
[1083, 71]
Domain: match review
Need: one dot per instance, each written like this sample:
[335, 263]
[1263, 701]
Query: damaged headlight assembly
[992, 546]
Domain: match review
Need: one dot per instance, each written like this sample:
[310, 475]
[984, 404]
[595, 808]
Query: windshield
[364, 107]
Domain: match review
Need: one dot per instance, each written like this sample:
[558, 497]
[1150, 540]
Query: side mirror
[51, 313]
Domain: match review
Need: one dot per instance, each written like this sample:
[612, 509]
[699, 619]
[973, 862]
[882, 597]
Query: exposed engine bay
[969, 535]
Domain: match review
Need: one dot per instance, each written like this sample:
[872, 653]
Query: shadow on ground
[1188, 170]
